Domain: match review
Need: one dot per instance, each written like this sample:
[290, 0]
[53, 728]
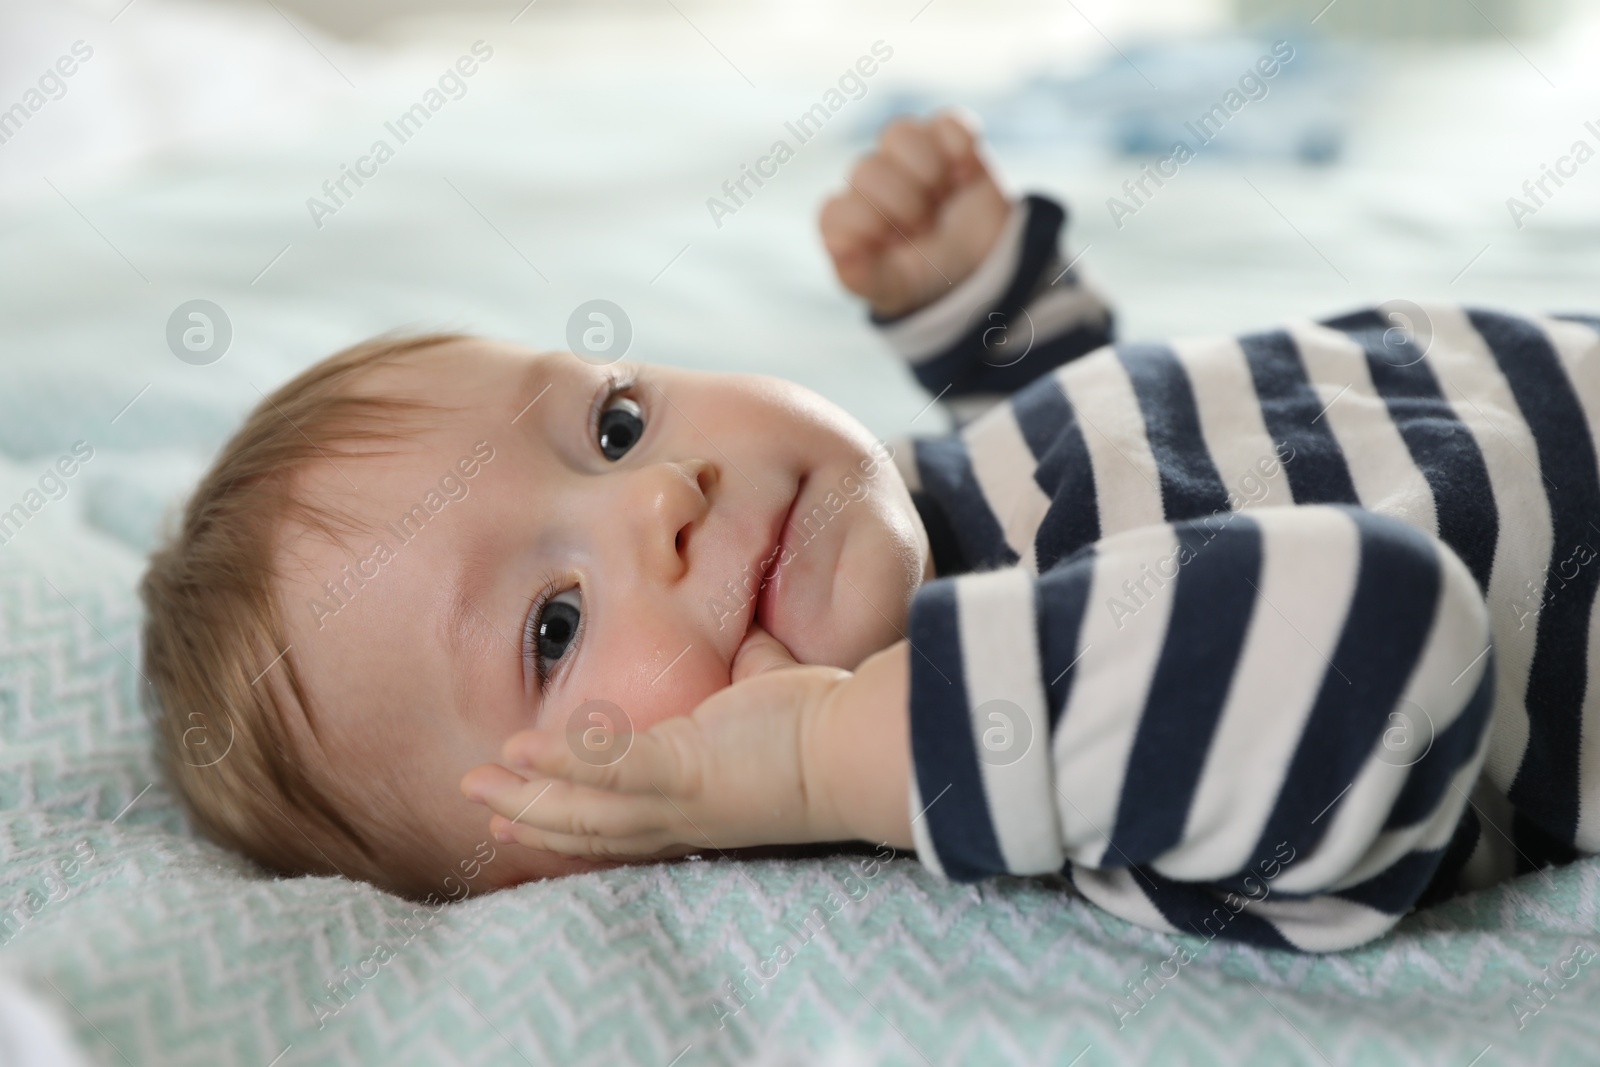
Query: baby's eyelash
[549, 587]
[620, 378]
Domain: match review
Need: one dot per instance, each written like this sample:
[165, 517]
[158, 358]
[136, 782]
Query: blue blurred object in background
[1143, 100]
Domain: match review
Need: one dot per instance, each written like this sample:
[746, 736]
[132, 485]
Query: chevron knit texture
[160, 949]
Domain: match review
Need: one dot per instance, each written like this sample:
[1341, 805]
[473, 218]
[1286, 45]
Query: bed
[129, 939]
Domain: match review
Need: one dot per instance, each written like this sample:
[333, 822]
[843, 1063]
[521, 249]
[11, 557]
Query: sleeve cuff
[929, 331]
[982, 795]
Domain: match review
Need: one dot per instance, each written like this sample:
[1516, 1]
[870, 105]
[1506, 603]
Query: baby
[1271, 638]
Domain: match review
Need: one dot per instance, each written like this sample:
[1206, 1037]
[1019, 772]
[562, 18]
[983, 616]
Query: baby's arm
[967, 285]
[1284, 707]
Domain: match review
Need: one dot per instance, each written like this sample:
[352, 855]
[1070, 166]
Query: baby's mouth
[770, 568]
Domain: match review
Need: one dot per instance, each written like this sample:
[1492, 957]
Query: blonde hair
[213, 629]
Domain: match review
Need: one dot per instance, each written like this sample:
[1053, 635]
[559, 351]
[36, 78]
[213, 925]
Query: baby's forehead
[432, 417]
[468, 370]
[446, 397]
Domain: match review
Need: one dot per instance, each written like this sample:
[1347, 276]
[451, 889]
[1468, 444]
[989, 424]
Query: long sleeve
[1022, 313]
[1261, 725]
[1229, 755]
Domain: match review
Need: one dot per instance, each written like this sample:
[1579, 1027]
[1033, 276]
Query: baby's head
[421, 546]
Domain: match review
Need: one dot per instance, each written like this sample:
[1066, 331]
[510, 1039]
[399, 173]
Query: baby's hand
[740, 770]
[919, 215]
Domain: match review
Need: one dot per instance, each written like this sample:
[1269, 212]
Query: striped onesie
[1271, 638]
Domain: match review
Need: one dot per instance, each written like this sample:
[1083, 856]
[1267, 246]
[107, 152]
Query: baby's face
[569, 533]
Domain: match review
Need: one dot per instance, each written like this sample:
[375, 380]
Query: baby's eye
[554, 630]
[621, 425]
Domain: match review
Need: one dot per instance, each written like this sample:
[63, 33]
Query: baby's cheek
[676, 688]
[651, 660]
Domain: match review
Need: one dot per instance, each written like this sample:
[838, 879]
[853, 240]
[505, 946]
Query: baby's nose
[669, 502]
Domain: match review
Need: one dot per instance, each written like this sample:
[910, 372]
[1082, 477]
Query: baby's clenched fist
[918, 215]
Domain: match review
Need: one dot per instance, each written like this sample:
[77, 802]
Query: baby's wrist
[861, 753]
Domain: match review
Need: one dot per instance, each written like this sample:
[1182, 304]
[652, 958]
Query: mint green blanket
[159, 949]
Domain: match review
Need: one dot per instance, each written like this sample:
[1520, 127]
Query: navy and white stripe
[1265, 613]
[1020, 313]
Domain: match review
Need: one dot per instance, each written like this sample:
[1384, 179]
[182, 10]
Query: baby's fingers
[553, 806]
[891, 191]
[851, 229]
[914, 147]
[631, 849]
[957, 143]
[758, 653]
[659, 759]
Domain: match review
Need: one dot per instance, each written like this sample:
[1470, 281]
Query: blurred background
[185, 159]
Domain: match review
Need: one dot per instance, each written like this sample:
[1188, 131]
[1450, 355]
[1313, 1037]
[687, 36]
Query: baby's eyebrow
[534, 383]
